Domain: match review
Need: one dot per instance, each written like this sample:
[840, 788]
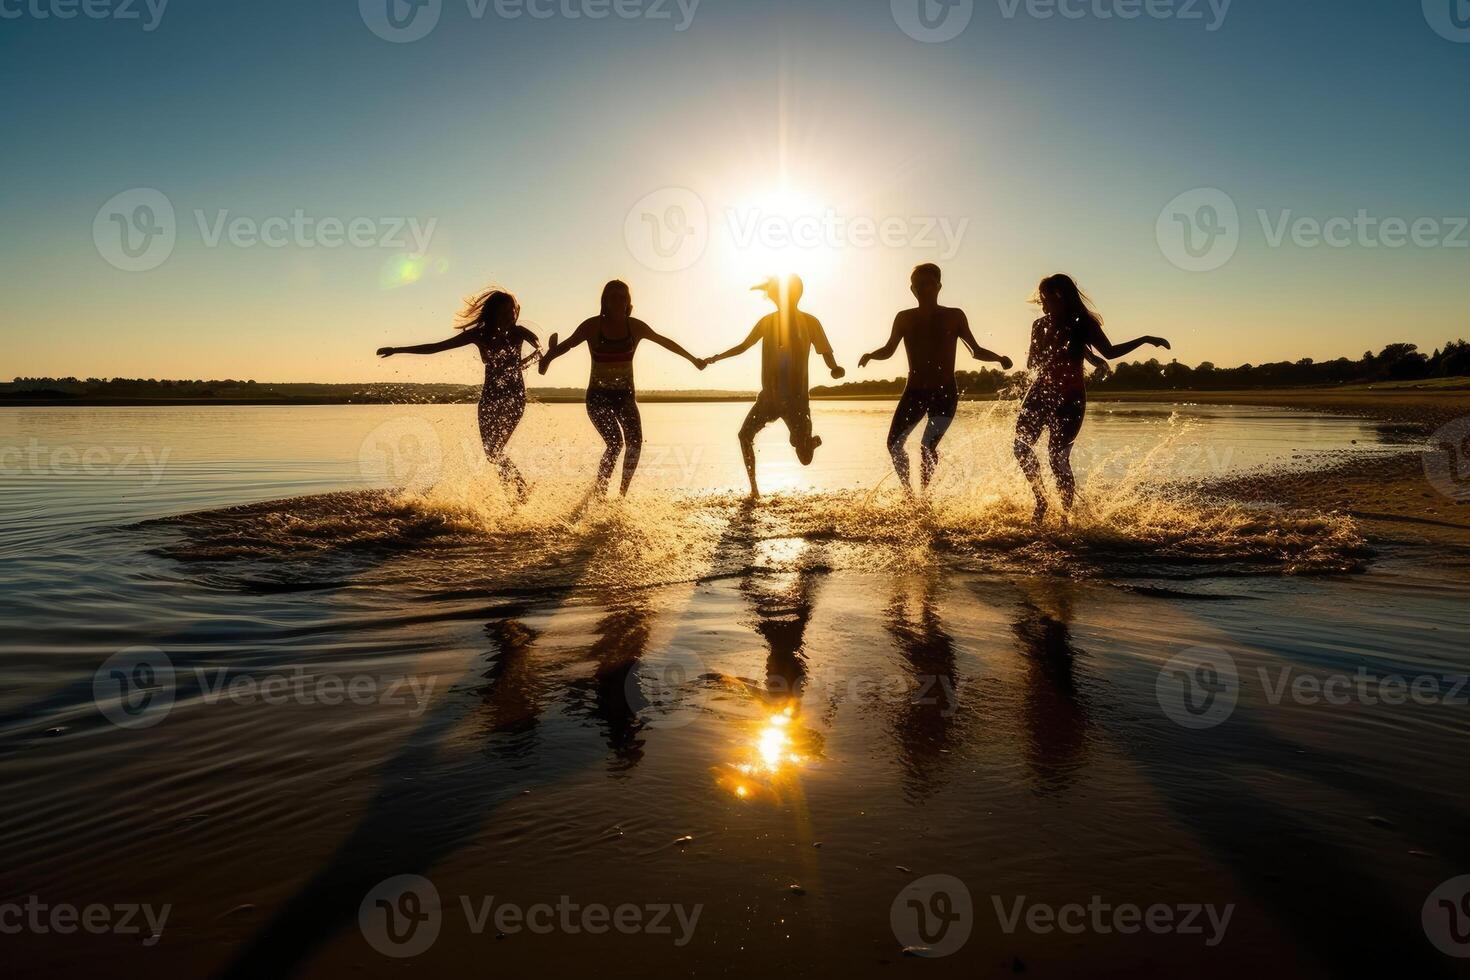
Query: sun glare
[780, 231]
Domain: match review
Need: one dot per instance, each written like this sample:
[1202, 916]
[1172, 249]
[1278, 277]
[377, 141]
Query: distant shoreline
[1413, 402]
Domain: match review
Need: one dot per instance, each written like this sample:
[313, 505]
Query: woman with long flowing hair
[490, 322]
[612, 338]
[1069, 332]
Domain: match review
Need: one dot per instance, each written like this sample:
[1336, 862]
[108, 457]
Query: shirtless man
[930, 334]
[788, 337]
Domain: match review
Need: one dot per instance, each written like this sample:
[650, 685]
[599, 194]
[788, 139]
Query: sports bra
[612, 358]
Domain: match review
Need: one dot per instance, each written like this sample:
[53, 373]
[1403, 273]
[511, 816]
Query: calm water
[684, 700]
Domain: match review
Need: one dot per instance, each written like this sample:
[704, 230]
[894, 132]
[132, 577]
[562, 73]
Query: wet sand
[1391, 498]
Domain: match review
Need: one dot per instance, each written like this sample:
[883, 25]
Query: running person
[930, 334]
[612, 338]
[788, 337]
[1068, 333]
[489, 322]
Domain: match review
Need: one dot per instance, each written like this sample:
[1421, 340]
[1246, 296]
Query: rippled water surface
[366, 662]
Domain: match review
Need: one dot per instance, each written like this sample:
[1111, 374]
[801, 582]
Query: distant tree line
[1396, 362]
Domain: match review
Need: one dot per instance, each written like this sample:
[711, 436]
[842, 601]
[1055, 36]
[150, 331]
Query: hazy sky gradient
[528, 141]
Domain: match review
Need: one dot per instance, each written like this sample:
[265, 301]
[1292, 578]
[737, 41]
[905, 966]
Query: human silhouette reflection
[1055, 712]
[622, 640]
[926, 722]
[782, 606]
[513, 690]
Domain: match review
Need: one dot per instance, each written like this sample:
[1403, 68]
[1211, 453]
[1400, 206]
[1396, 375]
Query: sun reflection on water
[769, 759]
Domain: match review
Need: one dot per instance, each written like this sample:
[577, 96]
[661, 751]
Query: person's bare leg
[1059, 456]
[1026, 436]
[753, 424]
[510, 474]
[900, 455]
[929, 447]
[747, 453]
[905, 417]
[604, 420]
[632, 426]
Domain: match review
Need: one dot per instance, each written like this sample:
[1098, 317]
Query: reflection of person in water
[622, 640]
[782, 615]
[514, 688]
[1054, 711]
[926, 723]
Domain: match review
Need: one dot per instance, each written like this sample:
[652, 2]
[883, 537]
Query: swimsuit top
[501, 352]
[1058, 359]
[612, 358]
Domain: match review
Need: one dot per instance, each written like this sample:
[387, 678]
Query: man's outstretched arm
[978, 352]
[824, 346]
[886, 351]
[740, 348]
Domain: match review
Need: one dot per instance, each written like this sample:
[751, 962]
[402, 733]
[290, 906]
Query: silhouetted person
[489, 322]
[612, 337]
[930, 335]
[788, 337]
[1068, 333]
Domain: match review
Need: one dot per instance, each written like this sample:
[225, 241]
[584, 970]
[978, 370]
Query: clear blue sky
[1054, 142]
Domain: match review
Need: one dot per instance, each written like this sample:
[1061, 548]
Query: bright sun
[779, 231]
